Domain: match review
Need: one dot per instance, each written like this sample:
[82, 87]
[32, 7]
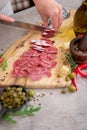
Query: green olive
[19, 93]
[19, 89]
[31, 93]
[71, 88]
[30, 98]
[68, 78]
[2, 97]
[24, 93]
[7, 100]
[5, 105]
[10, 107]
[72, 75]
[63, 91]
[8, 88]
[15, 95]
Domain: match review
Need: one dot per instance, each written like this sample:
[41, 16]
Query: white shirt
[6, 7]
[3, 3]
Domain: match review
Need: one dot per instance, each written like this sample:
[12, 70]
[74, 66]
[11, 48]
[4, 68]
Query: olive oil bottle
[80, 19]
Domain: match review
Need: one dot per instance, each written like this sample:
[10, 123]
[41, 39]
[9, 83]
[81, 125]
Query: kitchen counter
[58, 111]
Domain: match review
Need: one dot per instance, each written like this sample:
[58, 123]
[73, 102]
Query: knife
[24, 25]
[20, 24]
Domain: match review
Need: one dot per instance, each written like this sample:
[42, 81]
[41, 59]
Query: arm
[50, 9]
[6, 18]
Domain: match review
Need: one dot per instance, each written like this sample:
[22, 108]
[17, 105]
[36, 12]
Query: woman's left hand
[6, 18]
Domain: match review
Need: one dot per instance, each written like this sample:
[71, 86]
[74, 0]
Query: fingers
[55, 22]
[57, 19]
[6, 18]
[60, 18]
[45, 21]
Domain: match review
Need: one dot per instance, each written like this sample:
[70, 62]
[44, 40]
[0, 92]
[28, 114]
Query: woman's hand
[6, 18]
[50, 9]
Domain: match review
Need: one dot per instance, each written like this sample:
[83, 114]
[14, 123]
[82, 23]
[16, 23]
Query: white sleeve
[6, 7]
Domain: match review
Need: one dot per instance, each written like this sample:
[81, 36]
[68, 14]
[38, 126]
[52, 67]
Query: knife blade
[24, 25]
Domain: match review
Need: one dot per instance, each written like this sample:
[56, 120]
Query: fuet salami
[37, 61]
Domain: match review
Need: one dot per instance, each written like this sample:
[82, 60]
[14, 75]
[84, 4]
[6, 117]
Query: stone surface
[58, 111]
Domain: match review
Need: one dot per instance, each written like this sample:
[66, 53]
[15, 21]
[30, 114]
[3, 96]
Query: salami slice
[35, 77]
[48, 33]
[34, 61]
[54, 63]
[47, 61]
[31, 52]
[44, 64]
[36, 70]
[51, 56]
[48, 41]
[46, 71]
[50, 30]
[43, 55]
[16, 63]
[52, 50]
[26, 54]
[19, 72]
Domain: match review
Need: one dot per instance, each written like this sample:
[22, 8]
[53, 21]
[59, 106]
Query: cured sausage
[36, 63]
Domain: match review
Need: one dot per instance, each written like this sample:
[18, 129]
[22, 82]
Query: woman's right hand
[6, 18]
[50, 9]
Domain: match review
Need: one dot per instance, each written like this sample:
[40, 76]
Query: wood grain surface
[62, 41]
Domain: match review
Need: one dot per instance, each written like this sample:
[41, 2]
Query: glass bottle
[80, 19]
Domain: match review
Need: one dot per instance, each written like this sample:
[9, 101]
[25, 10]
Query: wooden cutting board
[62, 41]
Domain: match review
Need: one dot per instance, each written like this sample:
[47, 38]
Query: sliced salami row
[37, 62]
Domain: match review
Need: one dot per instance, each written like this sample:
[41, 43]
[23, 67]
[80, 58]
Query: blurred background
[13, 6]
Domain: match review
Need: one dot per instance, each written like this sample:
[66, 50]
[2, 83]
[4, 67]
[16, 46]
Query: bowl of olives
[13, 98]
